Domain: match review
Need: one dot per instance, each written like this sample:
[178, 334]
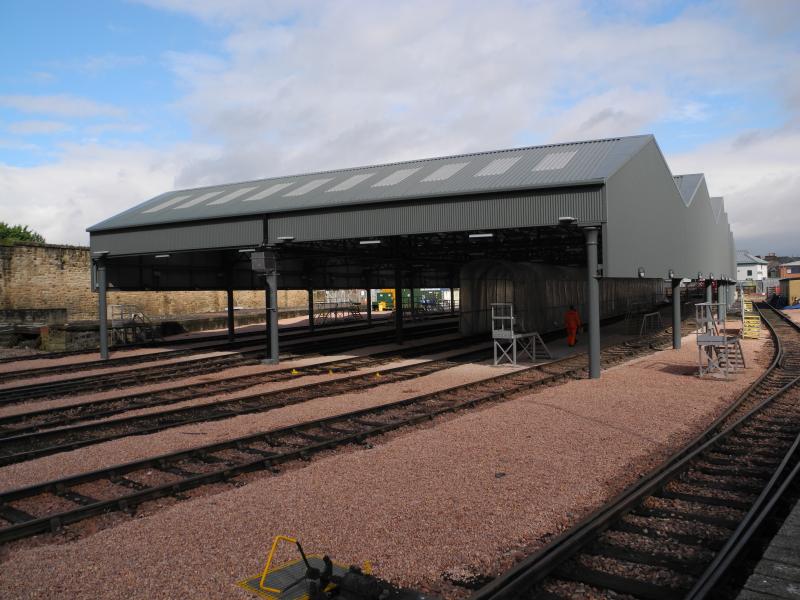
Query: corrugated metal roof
[743, 257]
[688, 185]
[533, 167]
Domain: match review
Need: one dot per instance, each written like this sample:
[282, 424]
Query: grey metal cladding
[195, 236]
[496, 211]
[688, 186]
[592, 162]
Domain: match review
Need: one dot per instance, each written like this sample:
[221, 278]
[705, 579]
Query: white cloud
[759, 176]
[64, 105]
[298, 86]
[87, 185]
[38, 127]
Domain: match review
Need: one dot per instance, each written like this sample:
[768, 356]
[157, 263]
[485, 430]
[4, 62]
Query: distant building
[790, 270]
[749, 267]
[775, 263]
[790, 290]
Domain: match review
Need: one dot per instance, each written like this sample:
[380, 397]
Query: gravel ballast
[422, 502]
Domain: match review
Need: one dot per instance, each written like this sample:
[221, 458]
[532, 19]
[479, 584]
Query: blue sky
[104, 104]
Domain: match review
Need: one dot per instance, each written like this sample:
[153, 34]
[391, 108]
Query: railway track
[247, 340]
[200, 366]
[203, 339]
[50, 506]
[680, 532]
[40, 420]
[26, 446]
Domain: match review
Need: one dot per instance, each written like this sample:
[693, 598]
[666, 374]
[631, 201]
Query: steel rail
[352, 427]
[40, 420]
[200, 347]
[34, 445]
[521, 579]
[199, 366]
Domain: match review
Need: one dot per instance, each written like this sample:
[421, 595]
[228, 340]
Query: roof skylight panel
[232, 196]
[273, 189]
[167, 204]
[498, 166]
[197, 200]
[445, 171]
[350, 182]
[555, 161]
[396, 177]
[307, 187]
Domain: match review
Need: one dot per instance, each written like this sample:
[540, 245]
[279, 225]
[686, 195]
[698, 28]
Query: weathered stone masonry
[58, 277]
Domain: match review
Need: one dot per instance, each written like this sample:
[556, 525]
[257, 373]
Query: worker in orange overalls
[572, 322]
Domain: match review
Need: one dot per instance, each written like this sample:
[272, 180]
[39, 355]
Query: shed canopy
[353, 227]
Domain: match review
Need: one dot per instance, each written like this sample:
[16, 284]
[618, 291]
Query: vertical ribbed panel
[463, 214]
[200, 236]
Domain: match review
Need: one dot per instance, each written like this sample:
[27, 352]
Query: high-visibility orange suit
[572, 321]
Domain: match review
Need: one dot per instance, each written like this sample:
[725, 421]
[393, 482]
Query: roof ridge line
[418, 160]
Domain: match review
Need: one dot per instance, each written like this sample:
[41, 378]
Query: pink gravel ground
[454, 496]
[25, 361]
[246, 370]
[178, 438]
[793, 314]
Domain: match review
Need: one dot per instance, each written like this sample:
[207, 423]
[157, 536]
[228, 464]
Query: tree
[14, 234]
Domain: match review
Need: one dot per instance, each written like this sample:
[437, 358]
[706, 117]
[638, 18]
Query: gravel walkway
[178, 438]
[466, 494]
[297, 363]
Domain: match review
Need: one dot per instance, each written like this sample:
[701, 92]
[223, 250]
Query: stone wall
[58, 277]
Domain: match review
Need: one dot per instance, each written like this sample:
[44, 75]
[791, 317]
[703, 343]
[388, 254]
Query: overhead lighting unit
[369, 242]
[100, 253]
[640, 272]
[247, 250]
[162, 256]
[567, 220]
[473, 236]
[285, 238]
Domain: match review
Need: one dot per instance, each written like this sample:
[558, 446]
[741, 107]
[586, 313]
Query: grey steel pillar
[272, 313]
[231, 323]
[369, 306]
[311, 309]
[411, 297]
[102, 309]
[452, 300]
[709, 291]
[722, 297]
[594, 301]
[398, 304]
[676, 314]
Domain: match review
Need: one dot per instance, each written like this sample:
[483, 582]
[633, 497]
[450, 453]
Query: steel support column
[722, 297]
[231, 323]
[676, 314]
[369, 306]
[591, 234]
[272, 314]
[452, 300]
[311, 309]
[398, 304]
[709, 291]
[102, 307]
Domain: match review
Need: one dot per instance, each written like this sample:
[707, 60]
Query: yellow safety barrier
[269, 562]
[751, 326]
[747, 305]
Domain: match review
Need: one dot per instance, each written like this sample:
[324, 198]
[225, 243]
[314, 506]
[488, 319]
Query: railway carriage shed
[610, 205]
